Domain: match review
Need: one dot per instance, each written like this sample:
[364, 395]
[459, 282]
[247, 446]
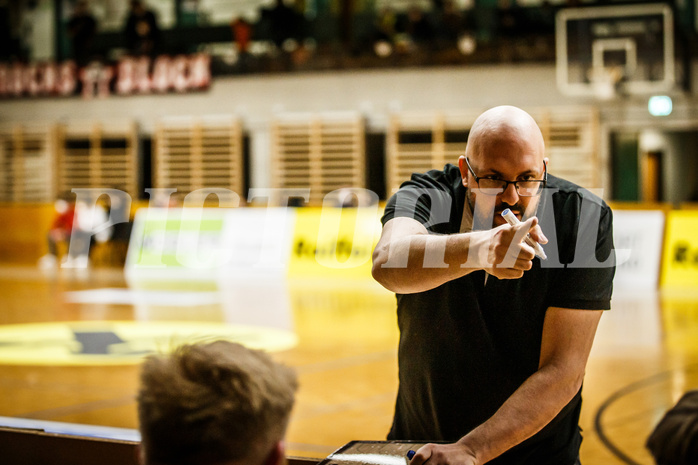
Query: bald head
[504, 126]
[504, 144]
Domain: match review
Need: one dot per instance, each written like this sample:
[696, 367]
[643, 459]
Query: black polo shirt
[468, 344]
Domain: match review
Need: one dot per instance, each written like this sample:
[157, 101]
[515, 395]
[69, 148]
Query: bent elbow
[377, 270]
[564, 382]
[385, 275]
[577, 382]
[572, 383]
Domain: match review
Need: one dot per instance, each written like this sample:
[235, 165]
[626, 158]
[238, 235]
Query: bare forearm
[419, 263]
[407, 259]
[537, 401]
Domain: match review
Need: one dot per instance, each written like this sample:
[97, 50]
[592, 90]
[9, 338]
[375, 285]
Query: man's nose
[510, 196]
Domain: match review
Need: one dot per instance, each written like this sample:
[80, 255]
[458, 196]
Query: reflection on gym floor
[341, 335]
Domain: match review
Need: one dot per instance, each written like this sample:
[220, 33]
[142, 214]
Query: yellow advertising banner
[334, 242]
[680, 255]
[680, 318]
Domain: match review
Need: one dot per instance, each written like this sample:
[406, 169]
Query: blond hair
[211, 403]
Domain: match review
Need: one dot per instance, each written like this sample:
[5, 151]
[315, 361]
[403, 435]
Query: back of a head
[213, 403]
[674, 441]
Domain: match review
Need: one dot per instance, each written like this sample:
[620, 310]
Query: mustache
[517, 209]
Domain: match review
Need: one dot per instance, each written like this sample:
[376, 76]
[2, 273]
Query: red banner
[130, 75]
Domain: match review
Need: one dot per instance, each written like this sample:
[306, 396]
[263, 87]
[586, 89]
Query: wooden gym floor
[645, 356]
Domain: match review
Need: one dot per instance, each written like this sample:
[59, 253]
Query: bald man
[494, 340]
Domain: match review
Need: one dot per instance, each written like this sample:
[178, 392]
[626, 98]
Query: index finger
[530, 223]
[537, 234]
[534, 230]
[523, 228]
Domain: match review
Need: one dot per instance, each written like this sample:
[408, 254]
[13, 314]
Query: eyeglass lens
[497, 186]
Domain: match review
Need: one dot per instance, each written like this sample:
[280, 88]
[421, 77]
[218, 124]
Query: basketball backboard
[606, 50]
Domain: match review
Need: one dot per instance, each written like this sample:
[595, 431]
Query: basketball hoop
[604, 81]
[590, 43]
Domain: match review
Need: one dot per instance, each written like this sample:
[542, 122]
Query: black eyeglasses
[494, 186]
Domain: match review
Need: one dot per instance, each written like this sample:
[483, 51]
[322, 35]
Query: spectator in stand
[485, 20]
[385, 24]
[82, 27]
[451, 24]
[242, 34]
[419, 29]
[242, 31]
[509, 19]
[142, 33]
[283, 22]
[509, 29]
[214, 403]
[5, 34]
[543, 18]
[381, 39]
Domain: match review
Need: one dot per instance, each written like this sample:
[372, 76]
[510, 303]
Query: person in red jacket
[61, 228]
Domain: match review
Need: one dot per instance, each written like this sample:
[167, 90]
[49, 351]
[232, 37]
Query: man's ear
[277, 455]
[463, 170]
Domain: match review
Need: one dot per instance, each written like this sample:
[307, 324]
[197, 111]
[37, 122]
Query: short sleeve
[429, 198]
[584, 280]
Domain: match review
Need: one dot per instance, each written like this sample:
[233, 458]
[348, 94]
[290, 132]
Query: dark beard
[482, 223]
